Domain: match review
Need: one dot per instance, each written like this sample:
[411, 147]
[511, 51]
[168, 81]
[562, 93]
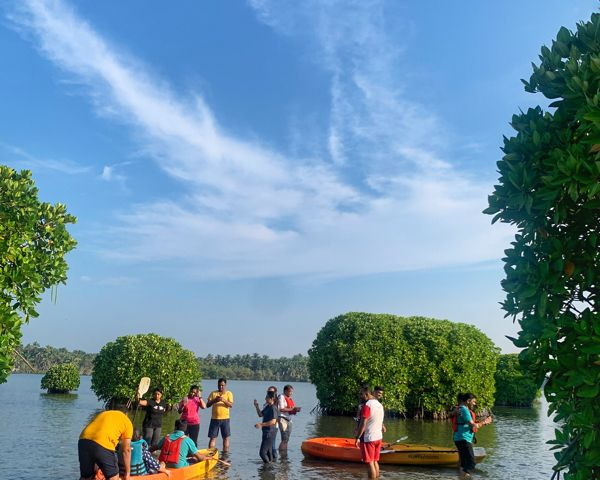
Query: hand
[255, 403]
[383, 429]
[356, 442]
[257, 425]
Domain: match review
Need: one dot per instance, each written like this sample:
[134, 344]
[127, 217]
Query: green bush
[515, 386]
[549, 189]
[119, 366]
[422, 363]
[61, 378]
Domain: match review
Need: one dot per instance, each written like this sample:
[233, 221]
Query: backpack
[169, 453]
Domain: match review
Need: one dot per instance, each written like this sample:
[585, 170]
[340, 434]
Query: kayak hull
[193, 471]
[343, 449]
[186, 473]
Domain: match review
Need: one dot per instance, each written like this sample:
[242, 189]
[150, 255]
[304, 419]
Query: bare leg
[376, 463]
[212, 442]
[372, 471]
[226, 444]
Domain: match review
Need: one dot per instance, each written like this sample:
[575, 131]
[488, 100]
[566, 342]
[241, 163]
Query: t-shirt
[285, 402]
[220, 411]
[154, 413]
[187, 447]
[107, 428]
[463, 429]
[190, 410]
[268, 414]
[372, 412]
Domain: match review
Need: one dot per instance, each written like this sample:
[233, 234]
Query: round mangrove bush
[120, 365]
[422, 363]
[515, 386]
[61, 378]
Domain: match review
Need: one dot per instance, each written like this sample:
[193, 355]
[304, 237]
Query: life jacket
[289, 403]
[456, 423]
[137, 460]
[169, 452]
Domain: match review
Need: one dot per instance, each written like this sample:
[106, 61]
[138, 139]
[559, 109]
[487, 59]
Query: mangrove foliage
[33, 243]
[515, 385]
[549, 189]
[422, 363]
[121, 364]
[61, 378]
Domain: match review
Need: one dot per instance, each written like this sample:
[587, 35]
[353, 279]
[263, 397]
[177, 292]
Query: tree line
[234, 367]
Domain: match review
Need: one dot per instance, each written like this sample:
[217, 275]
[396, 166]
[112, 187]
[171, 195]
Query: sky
[242, 172]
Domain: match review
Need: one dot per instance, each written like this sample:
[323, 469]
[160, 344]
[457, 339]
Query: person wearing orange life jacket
[464, 426]
[177, 447]
[287, 408]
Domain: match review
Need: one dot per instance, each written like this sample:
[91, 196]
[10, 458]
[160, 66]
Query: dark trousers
[266, 446]
[193, 431]
[274, 430]
[152, 435]
[466, 455]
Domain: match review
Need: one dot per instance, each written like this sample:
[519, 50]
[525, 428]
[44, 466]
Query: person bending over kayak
[98, 442]
[177, 447]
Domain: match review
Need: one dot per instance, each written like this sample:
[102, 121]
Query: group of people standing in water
[111, 444]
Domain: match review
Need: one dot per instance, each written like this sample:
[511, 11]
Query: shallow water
[39, 432]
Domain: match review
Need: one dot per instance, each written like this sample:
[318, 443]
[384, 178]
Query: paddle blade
[143, 386]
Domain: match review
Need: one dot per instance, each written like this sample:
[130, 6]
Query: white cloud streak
[251, 211]
[19, 158]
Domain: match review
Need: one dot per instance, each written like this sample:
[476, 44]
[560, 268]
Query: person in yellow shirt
[221, 401]
[98, 443]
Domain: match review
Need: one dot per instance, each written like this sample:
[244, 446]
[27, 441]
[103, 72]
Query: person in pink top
[189, 407]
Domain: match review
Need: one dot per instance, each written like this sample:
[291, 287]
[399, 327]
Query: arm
[258, 412]
[201, 457]
[360, 430]
[212, 399]
[266, 424]
[202, 403]
[126, 449]
[228, 403]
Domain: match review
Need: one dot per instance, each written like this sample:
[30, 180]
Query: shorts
[216, 425]
[369, 451]
[285, 427]
[91, 453]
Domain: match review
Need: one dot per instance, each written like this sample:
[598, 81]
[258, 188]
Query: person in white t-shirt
[370, 431]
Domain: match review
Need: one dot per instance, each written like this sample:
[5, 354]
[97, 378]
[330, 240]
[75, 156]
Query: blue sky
[244, 171]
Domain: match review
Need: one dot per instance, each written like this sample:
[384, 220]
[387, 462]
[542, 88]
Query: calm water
[38, 437]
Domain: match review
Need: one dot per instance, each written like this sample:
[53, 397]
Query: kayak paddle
[142, 388]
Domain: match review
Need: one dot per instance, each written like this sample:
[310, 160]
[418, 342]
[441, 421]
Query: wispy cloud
[249, 210]
[19, 158]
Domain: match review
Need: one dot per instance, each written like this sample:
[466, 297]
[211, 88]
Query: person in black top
[269, 419]
[274, 429]
[155, 409]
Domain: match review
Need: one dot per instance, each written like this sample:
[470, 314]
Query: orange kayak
[343, 449]
[186, 473]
